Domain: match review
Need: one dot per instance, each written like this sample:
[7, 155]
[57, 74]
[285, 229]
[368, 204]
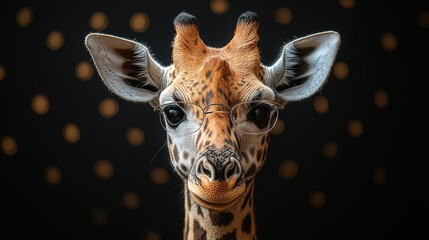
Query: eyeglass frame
[276, 105]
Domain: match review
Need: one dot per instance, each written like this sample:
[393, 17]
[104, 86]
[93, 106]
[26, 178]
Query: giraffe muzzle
[217, 184]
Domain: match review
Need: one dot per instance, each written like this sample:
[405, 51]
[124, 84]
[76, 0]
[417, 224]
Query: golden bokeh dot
[379, 175]
[347, 4]
[341, 70]
[355, 128]
[278, 128]
[71, 132]
[317, 199]
[9, 146]
[103, 169]
[330, 149]
[424, 19]
[388, 42]
[40, 104]
[288, 169]
[24, 17]
[55, 40]
[152, 235]
[139, 22]
[283, 15]
[321, 104]
[53, 175]
[381, 99]
[84, 70]
[130, 200]
[2, 72]
[135, 136]
[108, 108]
[219, 6]
[99, 217]
[159, 175]
[98, 21]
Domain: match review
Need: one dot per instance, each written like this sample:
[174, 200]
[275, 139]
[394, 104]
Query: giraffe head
[217, 104]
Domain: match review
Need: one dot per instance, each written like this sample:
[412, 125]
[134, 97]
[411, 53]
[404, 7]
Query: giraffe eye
[173, 114]
[260, 115]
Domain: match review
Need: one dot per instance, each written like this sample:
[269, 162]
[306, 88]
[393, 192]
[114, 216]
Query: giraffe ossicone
[218, 106]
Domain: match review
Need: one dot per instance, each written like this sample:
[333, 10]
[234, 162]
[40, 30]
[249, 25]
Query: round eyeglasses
[253, 117]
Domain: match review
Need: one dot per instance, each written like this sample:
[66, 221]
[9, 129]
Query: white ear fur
[303, 66]
[126, 67]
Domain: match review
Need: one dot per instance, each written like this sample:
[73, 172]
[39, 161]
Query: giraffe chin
[216, 195]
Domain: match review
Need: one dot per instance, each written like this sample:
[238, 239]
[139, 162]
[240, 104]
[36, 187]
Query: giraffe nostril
[205, 168]
[230, 172]
[232, 169]
[207, 172]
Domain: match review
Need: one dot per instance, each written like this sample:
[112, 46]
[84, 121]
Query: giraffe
[217, 106]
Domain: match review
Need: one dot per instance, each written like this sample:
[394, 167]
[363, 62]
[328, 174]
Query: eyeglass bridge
[216, 108]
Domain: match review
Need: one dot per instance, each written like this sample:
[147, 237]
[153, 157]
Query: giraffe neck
[236, 222]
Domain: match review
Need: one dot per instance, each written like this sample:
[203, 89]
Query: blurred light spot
[330, 149]
[55, 40]
[84, 71]
[152, 235]
[9, 146]
[288, 169]
[71, 133]
[103, 169]
[278, 128]
[53, 175]
[98, 21]
[379, 175]
[321, 105]
[159, 175]
[139, 22]
[424, 19]
[317, 199]
[135, 136]
[341, 70]
[99, 217]
[381, 99]
[388, 42]
[108, 108]
[219, 6]
[2, 72]
[130, 200]
[40, 104]
[283, 15]
[347, 4]
[355, 128]
[24, 17]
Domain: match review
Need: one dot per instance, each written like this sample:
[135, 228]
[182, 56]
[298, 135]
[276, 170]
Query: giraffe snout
[218, 182]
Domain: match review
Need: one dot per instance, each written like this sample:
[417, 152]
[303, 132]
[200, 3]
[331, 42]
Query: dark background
[374, 187]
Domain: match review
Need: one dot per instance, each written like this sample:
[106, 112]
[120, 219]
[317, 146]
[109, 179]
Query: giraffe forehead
[217, 80]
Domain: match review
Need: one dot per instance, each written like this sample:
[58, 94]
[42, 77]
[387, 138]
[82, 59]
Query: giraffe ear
[303, 66]
[126, 67]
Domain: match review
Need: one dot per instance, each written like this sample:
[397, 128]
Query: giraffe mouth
[213, 205]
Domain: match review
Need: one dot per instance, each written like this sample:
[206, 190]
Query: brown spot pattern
[175, 153]
[221, 219]
[199, 232]
[246, 226]
[229, 236]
